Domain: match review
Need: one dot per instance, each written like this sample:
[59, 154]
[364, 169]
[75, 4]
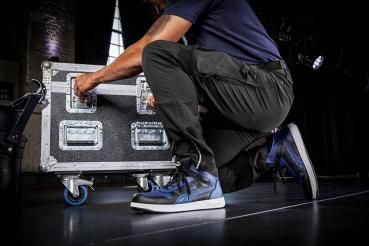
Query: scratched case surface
[108, 129]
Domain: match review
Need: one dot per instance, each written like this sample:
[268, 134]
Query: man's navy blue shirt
[230, 26]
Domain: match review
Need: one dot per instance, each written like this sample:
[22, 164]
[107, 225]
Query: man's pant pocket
[212, 63]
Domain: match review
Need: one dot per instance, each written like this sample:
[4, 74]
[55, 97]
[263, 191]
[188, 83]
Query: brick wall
[50, 33]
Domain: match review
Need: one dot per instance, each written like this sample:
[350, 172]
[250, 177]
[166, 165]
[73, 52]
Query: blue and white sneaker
[289, 152]
[189, 190]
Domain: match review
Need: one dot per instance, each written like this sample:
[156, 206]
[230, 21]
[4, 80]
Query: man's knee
[155, 49]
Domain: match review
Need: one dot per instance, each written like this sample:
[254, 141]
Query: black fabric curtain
[94, 25]
[331, 104]
[94, 20]
[331, 111]
[137, 17]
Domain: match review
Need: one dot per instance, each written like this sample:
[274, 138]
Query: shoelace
[277, 170]
[179, 177]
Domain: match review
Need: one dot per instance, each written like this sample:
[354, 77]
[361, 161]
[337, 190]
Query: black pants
[244, 102]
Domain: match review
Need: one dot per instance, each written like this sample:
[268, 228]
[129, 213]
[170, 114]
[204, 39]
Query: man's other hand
[84, 83]
[150, 100]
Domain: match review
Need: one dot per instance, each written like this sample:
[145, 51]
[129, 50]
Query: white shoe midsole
[169, 208]
[305, 158]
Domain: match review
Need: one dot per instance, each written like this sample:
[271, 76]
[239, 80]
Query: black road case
[110, 129]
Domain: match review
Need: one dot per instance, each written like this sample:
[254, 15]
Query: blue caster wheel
[73, 200]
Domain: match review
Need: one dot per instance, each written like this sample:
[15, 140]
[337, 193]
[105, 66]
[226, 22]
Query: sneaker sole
[306, 159]
[169, 208]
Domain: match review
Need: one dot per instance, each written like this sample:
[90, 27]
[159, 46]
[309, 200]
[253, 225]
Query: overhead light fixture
[314, 62]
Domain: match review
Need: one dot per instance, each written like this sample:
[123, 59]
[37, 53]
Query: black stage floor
[254, 216]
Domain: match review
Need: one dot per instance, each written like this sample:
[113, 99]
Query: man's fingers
[151, 101]
[76, 91]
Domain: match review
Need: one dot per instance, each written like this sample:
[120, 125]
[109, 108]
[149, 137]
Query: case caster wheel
[151, 186]
[76, 200]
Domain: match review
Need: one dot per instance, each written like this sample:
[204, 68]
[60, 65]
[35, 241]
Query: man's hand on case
[84, 83]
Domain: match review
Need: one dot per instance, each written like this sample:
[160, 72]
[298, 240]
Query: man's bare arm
[129, 63]
[159, 25]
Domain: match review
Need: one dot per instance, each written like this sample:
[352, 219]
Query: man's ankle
[213, 172]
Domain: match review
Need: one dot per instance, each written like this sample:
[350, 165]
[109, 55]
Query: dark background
[332, 103]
